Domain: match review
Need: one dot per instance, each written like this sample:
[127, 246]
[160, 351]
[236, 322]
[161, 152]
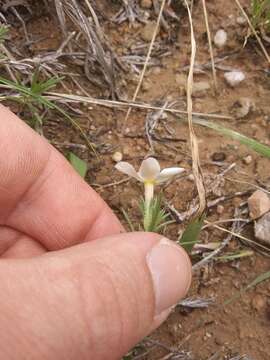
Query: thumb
[98, 299]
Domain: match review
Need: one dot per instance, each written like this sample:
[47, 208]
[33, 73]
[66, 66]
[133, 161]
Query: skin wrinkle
[105, 274]
[58, 283]
[27, 190]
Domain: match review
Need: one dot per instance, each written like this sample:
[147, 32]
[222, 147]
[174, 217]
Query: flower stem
[148, 193]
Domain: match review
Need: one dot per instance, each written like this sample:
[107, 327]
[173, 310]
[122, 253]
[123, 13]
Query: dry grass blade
[146, 61]
[119, 104]
[253, 30]
[61, 15]
[193, 139]
[99, 55]
[210, 43]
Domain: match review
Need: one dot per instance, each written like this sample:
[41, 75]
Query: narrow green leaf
[128, 220]
[78, 164]
[251, 143]
[259, 279]
[191, 233]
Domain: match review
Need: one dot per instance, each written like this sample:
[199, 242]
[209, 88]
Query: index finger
[41, 195]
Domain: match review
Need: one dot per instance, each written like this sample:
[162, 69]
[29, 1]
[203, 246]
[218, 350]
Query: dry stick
[214, 253]
[210, 44]
[253, 30]
[114, 103]
[146, 62]
[197, 172]
[95, 18]
[11, 58]
[239, 236]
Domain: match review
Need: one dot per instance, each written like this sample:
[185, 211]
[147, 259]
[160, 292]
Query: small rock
[117, 156]
[146, 85]
[148, 31]
[220, 209]
[259, 204]
[258, 302]
[262, 229]
[146, 4]
[241, 20]
[219, 156]
[200, 87]
[220, 38]
[247, 160]
[234, 78]
[242, 107]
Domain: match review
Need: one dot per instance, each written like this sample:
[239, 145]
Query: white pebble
[117, 156]
[241, 20]
[220, 38]
[234, 78]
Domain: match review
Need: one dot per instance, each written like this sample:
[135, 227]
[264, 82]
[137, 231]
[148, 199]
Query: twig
[210, 44]
[146, 62]
[253, 30]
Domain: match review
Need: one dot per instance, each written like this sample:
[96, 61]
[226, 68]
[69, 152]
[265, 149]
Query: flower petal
[168, 173]
[150, 169]
[127, 169]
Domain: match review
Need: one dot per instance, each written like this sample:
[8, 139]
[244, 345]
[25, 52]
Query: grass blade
[259, 279]
[78, 164]
[251, 143]
[191, 234]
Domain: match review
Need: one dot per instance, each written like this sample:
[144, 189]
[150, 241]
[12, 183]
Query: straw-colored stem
[146, 61]
[210, 44]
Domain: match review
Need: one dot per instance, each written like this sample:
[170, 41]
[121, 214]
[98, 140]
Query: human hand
[73, 285]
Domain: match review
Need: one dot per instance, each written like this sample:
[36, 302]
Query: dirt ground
[219, 331]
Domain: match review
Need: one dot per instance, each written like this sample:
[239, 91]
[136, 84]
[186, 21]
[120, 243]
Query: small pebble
[220, 209]
[146, 4]
[241, 20]
[201, 87]
[146, 85]
[258, 204]
[117, 156]
[220, 38]
[247, 160]
[234, 78]
[258, 302]
[262, 229]
[242, 107]
[148, 31]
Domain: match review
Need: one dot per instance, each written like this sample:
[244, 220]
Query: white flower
[149, 173]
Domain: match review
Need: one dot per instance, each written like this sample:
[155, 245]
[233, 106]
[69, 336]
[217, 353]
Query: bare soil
[242, 327]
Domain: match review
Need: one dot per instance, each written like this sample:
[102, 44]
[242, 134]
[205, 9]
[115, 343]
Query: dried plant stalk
[146, 60]
[197, 172]
[210, 43]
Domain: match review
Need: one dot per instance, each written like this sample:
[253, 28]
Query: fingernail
[170, 268]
